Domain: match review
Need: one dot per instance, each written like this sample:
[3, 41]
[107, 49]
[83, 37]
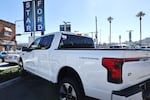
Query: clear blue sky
[81, 14]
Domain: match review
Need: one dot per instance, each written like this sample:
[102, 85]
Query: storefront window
[7, 33]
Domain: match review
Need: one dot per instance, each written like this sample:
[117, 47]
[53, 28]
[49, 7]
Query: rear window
[74, 41]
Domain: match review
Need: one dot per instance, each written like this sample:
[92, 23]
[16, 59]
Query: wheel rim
[67, 92]
[20, 63]
[20, 66]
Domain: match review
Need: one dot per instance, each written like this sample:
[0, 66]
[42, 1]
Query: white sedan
[12, 58]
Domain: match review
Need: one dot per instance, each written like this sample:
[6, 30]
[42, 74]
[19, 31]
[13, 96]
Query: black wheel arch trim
[64, 71]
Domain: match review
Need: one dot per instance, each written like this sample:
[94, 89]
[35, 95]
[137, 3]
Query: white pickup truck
[82, 70]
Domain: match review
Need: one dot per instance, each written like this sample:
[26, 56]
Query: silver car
[12, 58]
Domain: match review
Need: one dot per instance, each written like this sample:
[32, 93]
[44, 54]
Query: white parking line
[9, 82]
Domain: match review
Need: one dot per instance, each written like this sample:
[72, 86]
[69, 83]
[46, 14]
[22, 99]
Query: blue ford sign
[39, 13]
[28, 16]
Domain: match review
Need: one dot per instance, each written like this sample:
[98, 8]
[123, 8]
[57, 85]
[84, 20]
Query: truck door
[29, 56]
[44, 56]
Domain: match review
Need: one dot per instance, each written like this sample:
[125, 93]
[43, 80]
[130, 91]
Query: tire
[3, 60]
[70, 89]
[21, 69]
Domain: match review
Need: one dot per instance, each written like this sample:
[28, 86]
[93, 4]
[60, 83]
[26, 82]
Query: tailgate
[134, 72]
[132, 67]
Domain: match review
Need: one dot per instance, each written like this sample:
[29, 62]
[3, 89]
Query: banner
[39, 14]
[28, 16]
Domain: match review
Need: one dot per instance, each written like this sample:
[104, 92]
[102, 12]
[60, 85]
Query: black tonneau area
[102, 49]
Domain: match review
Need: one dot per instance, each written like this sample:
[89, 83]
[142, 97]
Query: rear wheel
[70, 89]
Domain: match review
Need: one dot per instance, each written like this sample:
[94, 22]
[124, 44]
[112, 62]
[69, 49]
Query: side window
[73, 41]
[35, 44]
[46, 41]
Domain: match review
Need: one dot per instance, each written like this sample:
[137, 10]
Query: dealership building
[7, 36]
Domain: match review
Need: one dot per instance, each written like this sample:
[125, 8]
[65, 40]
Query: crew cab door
[43, 55]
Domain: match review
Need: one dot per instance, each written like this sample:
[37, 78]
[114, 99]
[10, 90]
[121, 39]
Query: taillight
[114, 68]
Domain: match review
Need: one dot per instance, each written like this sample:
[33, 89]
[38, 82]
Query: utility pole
[130, 37]
[100, 36]
[96, 32]
[92, 34]
[21, 20]
[120, 40]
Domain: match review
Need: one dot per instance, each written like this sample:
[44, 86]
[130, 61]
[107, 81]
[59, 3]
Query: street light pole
[120, 40]
[92, 34]
[16, 34]
[110, 19]
[16, 23]
[140, 14]
[96, 32]
[130, 35]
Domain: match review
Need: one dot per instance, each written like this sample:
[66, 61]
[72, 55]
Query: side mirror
[26, 49]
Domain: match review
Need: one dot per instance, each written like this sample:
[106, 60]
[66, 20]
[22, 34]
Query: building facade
[7, 36]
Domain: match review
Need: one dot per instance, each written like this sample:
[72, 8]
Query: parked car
[12, 58]
[2, 55]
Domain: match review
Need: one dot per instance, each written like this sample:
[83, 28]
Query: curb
[5, 65]
[9, 82]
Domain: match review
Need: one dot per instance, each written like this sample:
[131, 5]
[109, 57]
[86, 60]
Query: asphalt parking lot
[29, 88]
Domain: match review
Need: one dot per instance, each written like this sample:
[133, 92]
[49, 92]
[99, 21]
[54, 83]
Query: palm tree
[110, 19]
[140, 14]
